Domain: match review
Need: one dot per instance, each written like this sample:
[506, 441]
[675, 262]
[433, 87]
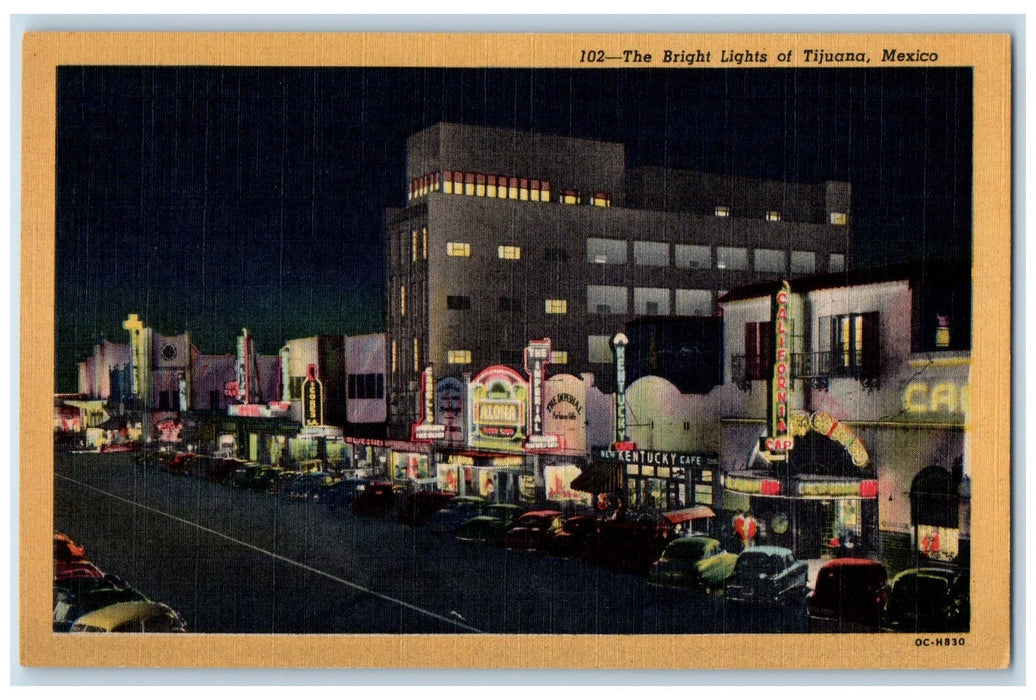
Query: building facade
[849, 418]
[510, 236]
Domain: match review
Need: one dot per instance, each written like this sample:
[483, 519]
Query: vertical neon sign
[780, 440]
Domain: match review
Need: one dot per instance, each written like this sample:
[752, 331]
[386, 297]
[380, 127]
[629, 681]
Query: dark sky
[211, 199]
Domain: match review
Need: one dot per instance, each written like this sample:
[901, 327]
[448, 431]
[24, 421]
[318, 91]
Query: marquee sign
[499, 404]
[537, 356]
[426, 429]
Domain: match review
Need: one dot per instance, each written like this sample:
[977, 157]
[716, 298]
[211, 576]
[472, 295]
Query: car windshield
[759, 563]
[918, 589]
[535, 522]
[690, 550]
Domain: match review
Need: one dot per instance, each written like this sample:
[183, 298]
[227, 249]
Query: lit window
[480, 185]
[417, 356]
[839, 218]
[773, 215]
[693, 257]
[731, 258]
[693, 302]
[606, 300]
[512, 188]
[424, 243]
[469, 184]
[544, 191]
[458, 357]
[570, 197]
[557, 306]
[447, 182]
[769, 260]
[491, 185]
[651, 301]
[413, 246]
[803, 261]
[501, 187]
[559, 357]
[601, 199]
[523, 190]
[509, 252]
[650, 253]
[395, 357]
[599, 349]
[402, 300]
[606, 250]
[457, 249]
[534, 190]
[722, 211]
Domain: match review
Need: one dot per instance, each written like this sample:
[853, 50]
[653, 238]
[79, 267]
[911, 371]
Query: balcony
[816, 368]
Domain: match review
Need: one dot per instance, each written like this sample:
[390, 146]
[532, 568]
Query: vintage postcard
[584, 351]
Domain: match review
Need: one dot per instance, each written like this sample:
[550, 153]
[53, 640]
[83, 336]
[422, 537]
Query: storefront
[656, 480]
[495, 477]
[820, 498]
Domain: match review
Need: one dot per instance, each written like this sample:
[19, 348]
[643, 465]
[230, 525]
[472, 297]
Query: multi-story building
[509, 237]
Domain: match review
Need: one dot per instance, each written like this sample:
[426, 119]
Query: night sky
[212, 199]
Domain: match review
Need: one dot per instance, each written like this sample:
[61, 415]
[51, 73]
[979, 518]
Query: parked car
[379, 499]
[75, 597]
[572, 538]
[181, 463]
[929, 599]
[153, 458]
[695, 561]
[341, 494]
[422, 505]
[769, 576]
[455, 513]
[630, 545]
[533, 530]
[135, 616]
[491, 525]
[65, 570]
[285, 479]
[306, 486]
[849, 595]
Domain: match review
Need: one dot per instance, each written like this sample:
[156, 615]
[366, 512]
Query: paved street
[233, 561]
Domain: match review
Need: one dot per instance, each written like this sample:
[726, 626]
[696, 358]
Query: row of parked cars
[87, 599]
[848, 593]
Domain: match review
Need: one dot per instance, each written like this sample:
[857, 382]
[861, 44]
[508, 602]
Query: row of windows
[498, 187]
[686, 257]
[511, 357]
[848, 345]
[606, 300]
[612, 251]
[837, 218]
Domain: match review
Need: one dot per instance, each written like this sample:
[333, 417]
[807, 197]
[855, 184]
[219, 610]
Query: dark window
[366, 386]
[295, 388]
[759, 350]
[163, 401]
[555, 255]
[509, 304]
[458, 303]
[512, 357]
[213, 400]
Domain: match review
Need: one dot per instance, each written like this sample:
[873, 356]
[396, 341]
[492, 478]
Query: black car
[928, 599]
[341, 494]
[768, 576]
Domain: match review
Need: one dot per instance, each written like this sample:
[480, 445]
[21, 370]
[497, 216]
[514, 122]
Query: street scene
[543, 355]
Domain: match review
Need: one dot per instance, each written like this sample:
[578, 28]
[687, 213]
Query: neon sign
[944, 397]
[780, 440]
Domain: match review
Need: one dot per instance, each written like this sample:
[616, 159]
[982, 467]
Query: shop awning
[600, 478]
[687, 514]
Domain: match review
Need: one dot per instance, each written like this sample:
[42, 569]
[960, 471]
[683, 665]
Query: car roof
[853, 562]
[542, 514]
[932, 571]
[694, 538]
[768, 550]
